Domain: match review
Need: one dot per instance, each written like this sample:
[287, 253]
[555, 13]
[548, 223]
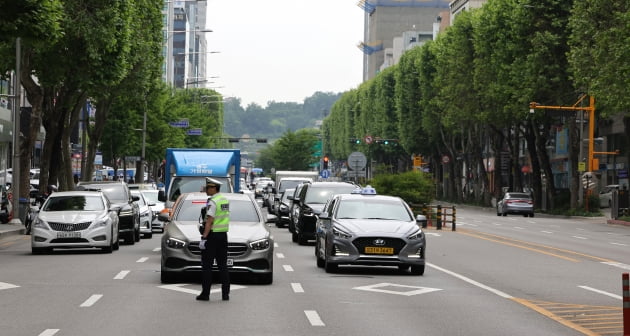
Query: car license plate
[230, 262]
[73, 234]
[379, 250]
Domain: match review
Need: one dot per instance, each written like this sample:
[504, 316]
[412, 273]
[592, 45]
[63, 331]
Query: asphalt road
[493, 276]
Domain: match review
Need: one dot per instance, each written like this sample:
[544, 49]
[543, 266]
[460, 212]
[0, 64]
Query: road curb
[7, 230]
[617, 222]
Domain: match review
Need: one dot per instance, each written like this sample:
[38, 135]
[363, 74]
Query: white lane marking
[580, 229]
[92, 300]
[618, 264]
[578, 237]
[531, 222]
[314, 318]
[180, 288]
[49, 332]
[474, 225]
[275, 244]
[614, 296]
[157, 249]
[546, 231]
[143, 259]
[413, 290]
[471, 281]
[619, 244]
[497, 224]
[287, 268]
[433, 234]
[121, 275]
[280, 255]
[5, 285]
[297, 287]
[519, 228]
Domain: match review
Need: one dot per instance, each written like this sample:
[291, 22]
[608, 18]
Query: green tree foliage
[413, 187]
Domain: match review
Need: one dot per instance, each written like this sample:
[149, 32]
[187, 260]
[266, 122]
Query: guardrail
[438, 214]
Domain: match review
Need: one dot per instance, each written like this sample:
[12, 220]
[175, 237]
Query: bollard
[439, 218]
[626, 304]
[454, 217]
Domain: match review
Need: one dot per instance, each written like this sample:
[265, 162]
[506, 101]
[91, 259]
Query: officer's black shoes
[203, 297]
[226, 297]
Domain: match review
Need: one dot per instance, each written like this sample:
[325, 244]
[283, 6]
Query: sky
[283, 50]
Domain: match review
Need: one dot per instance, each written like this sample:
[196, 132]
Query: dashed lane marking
[121, 275]
[599, 291]
[617, 264]
[5, 285]
[157, 249]
[619, 244]
[287, 268]
[91, 300]
[314, 318]
[49, 332]
[297, 287]
[280, 255]
[143, 259]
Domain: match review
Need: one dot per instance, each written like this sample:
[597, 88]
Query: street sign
[194, 131]
[357, 161]
[133, 158]
[368, 139]
[180, 124]
[325, 173]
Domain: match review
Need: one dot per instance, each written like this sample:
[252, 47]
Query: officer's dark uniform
[216, 241]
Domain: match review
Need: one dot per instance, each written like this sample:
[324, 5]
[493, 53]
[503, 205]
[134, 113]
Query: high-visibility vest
[222, 214]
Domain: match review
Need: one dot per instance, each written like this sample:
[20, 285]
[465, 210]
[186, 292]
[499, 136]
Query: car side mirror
[421, 220]
[135, 198]
[151, 203]
[163, 217]
[161, 196]
[324, 215]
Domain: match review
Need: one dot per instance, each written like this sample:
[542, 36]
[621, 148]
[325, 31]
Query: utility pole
[17, 84]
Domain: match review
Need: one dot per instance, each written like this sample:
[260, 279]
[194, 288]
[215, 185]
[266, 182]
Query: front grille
[362, 243]
[69, 226]
[126, 222]
[68, 240]
[234, 249]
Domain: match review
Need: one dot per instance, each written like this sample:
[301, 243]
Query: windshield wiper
[346, 218]
[380, 218]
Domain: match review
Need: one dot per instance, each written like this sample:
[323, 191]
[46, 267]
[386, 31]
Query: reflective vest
[222, 214]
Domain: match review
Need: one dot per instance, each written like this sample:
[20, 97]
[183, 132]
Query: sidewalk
[11, 229]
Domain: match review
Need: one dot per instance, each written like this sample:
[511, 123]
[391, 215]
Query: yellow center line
[538, 247]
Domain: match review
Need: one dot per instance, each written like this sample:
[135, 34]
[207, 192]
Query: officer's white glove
[202, 244]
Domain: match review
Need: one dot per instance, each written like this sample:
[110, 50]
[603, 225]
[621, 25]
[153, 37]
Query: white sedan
[75, 219]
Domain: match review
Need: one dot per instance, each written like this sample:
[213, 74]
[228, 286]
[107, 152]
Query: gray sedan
[357, 229]
[516, 203]
[250, 246]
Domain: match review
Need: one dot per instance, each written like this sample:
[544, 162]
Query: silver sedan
[250, 246]
[369, 230]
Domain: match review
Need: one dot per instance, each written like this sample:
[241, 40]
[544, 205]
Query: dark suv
[128, 212]
[310, 202]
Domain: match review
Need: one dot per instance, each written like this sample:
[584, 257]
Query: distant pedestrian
[214, 241]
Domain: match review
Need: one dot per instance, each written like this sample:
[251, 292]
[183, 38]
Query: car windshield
[240, 211]
[290, 184]
[140, 201]
[373, 209]
[74, 203]
[517, 195]
[181, 185]
[319, 195]
[151, 196]
[115, 192]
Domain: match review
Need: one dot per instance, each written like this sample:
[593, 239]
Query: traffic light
[325, 165]
[355, 141]
[231, 140]
[261, 140]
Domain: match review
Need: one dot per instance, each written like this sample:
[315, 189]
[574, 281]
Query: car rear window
[518, 195]
[74, 203]
[240, 211]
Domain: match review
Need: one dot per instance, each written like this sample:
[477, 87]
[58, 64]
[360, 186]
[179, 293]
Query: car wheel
[136, 236]
[417, 270]
[504, 214]
[116, 245]
[525, 215]
[39, 250]
[301, 239]
[148, 235]
[278, 224]
[167, 277]
[130, 238]
[330, 267]
[498, 213]
[531, 214]
[110, 248]
[265, 279]
[294, 237]
[320, 261]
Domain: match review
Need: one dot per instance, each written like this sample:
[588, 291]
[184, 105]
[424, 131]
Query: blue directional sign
[180, 124]
[194, 131]
[325, 173]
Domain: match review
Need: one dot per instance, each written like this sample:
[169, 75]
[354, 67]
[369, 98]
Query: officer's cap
[210, 182]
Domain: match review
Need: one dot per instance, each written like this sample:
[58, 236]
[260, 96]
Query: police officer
[214, 242]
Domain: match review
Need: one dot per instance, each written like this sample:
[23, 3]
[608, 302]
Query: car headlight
[40, 224]
[416, 235]
[175, 243]
[101, 221]
[261, 244]
[340, 233]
